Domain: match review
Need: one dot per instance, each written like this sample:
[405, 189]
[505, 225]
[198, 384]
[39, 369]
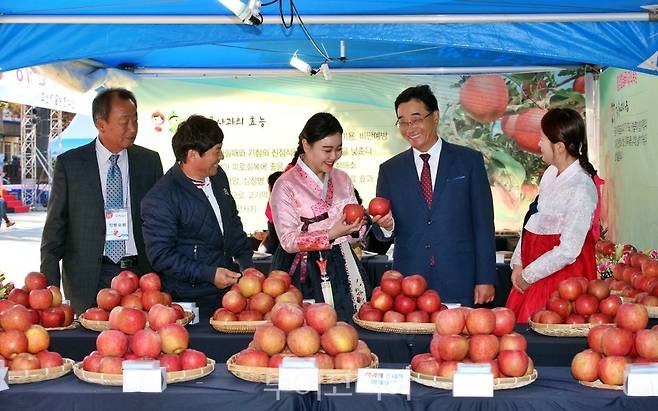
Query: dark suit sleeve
[53, 238]
[483, 223]
[382, 191]
[159, 227]
[238, 246]
[157, 167]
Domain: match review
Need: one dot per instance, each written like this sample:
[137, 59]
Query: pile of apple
[311, 332]
[636, 278]
[579, 301]
[253, 297]
[130, 291]
[478, 335]
[611, 347]
[168, 344]
[23, 345]
[402, 299]
[43, 302]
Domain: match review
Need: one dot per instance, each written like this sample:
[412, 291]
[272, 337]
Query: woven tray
[598, 384]
[236, 327]
[42, 374]
[506, 383]
[395, 328]
[117, 379]
[271, 375]
[562, 330]
[68, 327]
[97, 325]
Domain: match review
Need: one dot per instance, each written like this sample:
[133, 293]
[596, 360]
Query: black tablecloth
[555, 389]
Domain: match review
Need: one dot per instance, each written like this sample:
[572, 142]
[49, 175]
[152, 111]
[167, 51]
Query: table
[555, 389]
[397, 348]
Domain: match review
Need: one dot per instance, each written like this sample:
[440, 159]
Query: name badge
[116, 224]
[383, 381]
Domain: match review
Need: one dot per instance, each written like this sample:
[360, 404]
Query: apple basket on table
[310, 333]
[249, 302]
[475, 336]
[129, 296]
[612, 347]
[402, 305]
[43, 302]
[169, 345]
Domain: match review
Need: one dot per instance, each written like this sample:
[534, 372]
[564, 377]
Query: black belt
[125, 262]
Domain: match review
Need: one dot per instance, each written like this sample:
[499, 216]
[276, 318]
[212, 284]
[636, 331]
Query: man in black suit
[192, 229]
[96, 186]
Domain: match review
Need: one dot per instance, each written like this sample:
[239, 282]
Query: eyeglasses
[413, 123]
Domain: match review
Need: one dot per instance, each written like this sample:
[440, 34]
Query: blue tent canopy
[629, 40]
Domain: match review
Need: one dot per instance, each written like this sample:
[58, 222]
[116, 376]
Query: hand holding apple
[343, 228]
[385, 221]
[225, 278]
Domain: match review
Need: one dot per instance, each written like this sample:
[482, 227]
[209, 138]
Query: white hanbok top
[566, 207]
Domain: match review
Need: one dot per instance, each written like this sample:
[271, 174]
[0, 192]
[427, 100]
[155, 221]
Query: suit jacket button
[428, 246]
[429, 222]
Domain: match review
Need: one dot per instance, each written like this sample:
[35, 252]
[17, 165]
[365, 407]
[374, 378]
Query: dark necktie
[426, 180]
[116, 249]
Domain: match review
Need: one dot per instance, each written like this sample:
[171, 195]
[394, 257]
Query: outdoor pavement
[19, 245]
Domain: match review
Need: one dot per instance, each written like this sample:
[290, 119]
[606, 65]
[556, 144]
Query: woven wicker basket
[117, 379]
[598, 384]
[395, 328]
[562, 330]
[42, 374]
[236, 327]
[271, 375]
[97, 325]
[68, 327]
[506, 383]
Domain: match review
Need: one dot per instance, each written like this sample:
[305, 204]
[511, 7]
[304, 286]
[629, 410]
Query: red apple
[505, 321]
[646, 343]
[92, 362]
[550, 317]
[427, 366]
[352, 213]
[153, 297]
[393, 317]
[599, 318]
[341, 338]
[650, 268]
[379, 206]
[123, 284]
[570, 289]
[391, 285]
[611, 370]
[19, 296]
[111, 365]
[150, 282]
[574, 319]
[595, 337]
[416, 359]
[52, 317]
[249, 285]
[132, 301]
[112, 343]
[131, 320]
[262, 303]
[146, 343]
[160, 315]
[23, 362]
[35, 281]
[481, 321]
[429, 301]
[40, 299]
[69, 314]
[351, 360]
[417, 317]
[414, 285]
[368, 313]
[403, 304]
[586, 304]
[174, 337]
[449, 347]
[192, 359]
[171, 362]
[450, 322]
[321, 317]
[270, 339]
[254, 272]
[303, 341]
[599, 289]
[392, 274]
[274, 286]
[96, 314]
[37, 339]
[633, 317]
[49, 359]
[107, 299]
[16, 317]
[381, 301]
[513, 341]
[281, 275]
[448, 368]
[483, 347]
[513, 363]
[287, 316]
[252, 358]
[585, 366]
[234, 301]
[617, 341]
[12, 342]
[222, 314]
[560, 306]
[610, 305]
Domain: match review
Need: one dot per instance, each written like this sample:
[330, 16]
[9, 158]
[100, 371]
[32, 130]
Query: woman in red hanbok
[307, 208]
[557, 241]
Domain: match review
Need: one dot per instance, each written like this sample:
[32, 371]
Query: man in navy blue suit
[441, 204]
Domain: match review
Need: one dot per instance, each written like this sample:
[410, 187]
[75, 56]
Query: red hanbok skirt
[536, 296]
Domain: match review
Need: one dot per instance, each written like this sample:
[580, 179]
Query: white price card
[472, 380]
[299, 374]
[641, 380]
[383, 381]
[144, 376]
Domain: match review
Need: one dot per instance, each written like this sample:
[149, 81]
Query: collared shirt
[103, 160]
[435, 153]
[206, 186]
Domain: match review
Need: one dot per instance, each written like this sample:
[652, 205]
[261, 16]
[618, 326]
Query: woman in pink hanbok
[307, 208]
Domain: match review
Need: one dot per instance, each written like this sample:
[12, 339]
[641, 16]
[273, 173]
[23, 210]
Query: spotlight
[300, 64]
[248, 13]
